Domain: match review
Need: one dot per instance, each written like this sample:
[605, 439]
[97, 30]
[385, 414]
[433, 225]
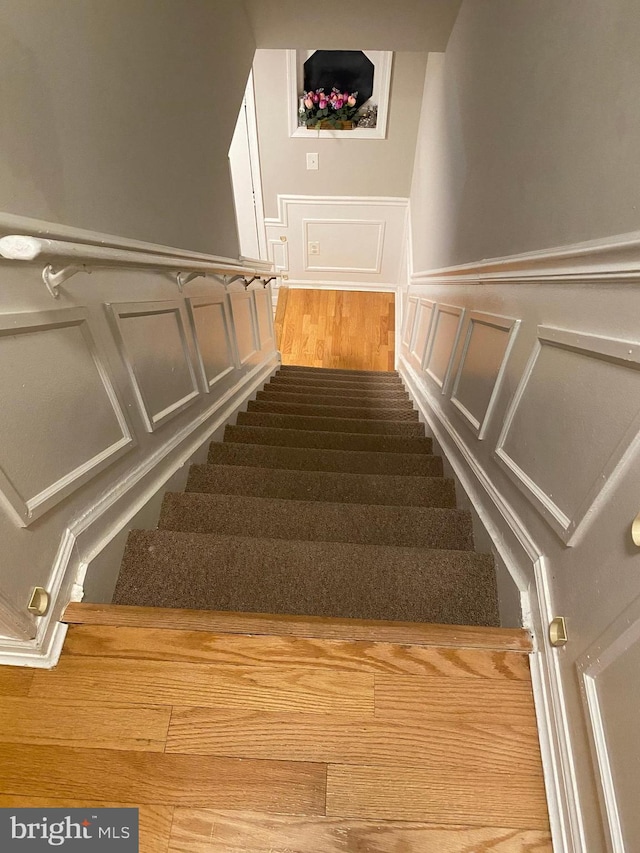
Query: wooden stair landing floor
[248, 732]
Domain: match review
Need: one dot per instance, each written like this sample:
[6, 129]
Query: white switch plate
[312, 162]
[313, 248]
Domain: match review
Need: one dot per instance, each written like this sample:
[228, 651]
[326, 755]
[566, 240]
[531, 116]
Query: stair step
[312, 382]
[388, 401]
[312, 459]
[426, 634]
[243, 515]
[368, 413]
[191, 570]
[327, 440]
[382, 489]
[333, 371]
[264, 419]
[356, 392]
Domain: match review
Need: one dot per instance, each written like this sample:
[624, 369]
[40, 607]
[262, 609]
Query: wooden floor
[283, 743]
[345, 329]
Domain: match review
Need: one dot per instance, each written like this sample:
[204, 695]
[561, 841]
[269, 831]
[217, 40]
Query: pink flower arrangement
[317, 107]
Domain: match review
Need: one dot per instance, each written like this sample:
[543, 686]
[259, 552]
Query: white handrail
[20, 247]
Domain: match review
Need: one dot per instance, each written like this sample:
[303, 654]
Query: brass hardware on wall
[558, 631]
[39, 601]
[635, 530]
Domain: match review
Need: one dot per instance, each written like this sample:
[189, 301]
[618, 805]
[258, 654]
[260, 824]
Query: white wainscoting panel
[244, 321]
[438, 361]
[163, 377]
[488, 341]
[598, 380]
[409, 320]
[422, 329]
[347, 245]
[611, 692]
[59, 385]
[361, 240]
[264, 315]
[211, 327]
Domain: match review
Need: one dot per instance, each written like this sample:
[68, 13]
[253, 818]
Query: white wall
[118, 114]
[347, 167]
[530, 130]
[356, 25]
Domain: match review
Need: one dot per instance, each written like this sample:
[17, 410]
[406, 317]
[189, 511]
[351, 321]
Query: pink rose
[314, 98]
[339, 103]
[322, 104]
[351, 101]
[308, 103]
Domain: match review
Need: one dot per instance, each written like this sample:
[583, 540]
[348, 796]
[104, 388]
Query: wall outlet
[312, 161]
[313, 248]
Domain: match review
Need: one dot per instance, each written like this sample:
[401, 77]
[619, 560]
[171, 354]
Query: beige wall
[530, 130]
[360, 167]
[117, 115]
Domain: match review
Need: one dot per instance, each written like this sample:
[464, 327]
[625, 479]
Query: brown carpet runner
[323, 500]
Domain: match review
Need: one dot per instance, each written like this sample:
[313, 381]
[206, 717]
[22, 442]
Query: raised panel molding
[439, 356]
[503, 330]
[244, 324]
[264, 316]
[412, 305]
[211, 328]
[279, 254]
[576, 373]
[43, 459]
[161, 390]
[422, 327]
[343, 236]
[610, 691]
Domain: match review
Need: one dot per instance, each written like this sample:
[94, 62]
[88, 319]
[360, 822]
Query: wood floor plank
[281, 309]
[207, 831]
[268, 688]
[325, 738]
[445, 636]
[155, 820]
[70, 723]
[478, 799]
[156, 778]
[15, 681]
[462, 699]
[338, 655]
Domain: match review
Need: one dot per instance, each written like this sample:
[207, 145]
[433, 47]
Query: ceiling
[423, 25]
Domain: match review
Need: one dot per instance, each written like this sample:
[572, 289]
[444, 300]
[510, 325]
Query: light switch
[312, 161]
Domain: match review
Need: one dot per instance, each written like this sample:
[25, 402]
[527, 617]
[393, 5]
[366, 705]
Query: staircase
[324, 500]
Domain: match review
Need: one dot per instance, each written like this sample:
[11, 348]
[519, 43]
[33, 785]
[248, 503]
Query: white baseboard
[80, 543]
[523, 559]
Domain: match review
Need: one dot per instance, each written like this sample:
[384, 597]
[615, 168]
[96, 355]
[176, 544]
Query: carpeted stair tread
[307, 578]
[368, 413]
[356, 393]
[312, 383]
[243, 515]
[265, 419]
[312, 459]
[327, 440]
[347, 399]
[334, 371]
[383, 489]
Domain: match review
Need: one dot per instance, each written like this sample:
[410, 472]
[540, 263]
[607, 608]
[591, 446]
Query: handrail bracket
[53, 278]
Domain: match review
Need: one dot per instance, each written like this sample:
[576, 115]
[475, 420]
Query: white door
[245, 176]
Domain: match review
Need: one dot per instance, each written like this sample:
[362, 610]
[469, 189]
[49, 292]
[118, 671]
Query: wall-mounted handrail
[78, 257]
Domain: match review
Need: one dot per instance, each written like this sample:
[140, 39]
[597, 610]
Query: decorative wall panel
[409, 320]
[264, 314]
[578, 391]
[163, 377]
[487, 344]
[244, 322]
[344, 245]
[65, 422]
[438, 361]
[422, 329]
[211, 329]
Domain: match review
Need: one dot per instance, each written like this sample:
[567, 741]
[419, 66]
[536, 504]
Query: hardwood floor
[233, 741]
[345, 329]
